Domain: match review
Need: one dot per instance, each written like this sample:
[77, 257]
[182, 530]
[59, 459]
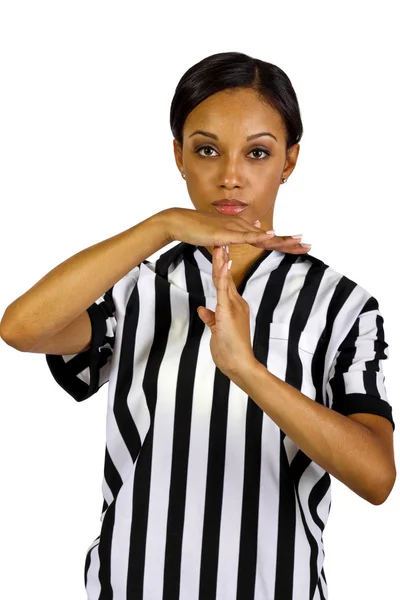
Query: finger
[293, 245]
[300, 249]
[220, 264]
[284, 243]
[255, 236]
[222, 277]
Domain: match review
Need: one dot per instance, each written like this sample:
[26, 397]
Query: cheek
[273, 181]
[269, 186]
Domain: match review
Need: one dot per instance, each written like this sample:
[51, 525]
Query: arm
[346, 449]
[71, 287]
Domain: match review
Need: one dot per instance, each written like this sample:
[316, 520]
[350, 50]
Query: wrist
[246, 374]
[168, 219]
[165, 219]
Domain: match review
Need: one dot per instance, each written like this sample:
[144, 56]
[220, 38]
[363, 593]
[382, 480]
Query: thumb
[206, 315]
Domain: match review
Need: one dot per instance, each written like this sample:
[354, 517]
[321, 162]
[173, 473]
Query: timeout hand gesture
[230, 343]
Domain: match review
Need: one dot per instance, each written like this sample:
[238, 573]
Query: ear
[178, 155]
[291, 160]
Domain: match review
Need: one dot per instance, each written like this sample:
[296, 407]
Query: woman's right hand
[200, 228]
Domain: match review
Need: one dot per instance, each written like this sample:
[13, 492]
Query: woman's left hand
[230, 343]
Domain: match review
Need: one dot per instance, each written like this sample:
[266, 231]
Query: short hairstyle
[224, 70]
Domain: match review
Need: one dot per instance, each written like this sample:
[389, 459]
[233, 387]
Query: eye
[261, 150]
[266, 152]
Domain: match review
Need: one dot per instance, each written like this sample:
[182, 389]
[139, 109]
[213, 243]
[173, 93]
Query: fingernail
[257, 223]
[305, 245]
[297, 237]
[271, 232]
[229, 264]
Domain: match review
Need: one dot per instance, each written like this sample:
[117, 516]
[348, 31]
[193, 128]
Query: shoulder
[334, 276]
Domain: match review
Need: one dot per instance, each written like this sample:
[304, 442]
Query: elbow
[382, 492]
[9, 340]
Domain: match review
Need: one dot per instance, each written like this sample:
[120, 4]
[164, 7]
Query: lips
[229, 202]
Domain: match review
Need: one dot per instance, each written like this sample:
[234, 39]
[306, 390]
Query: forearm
[347, 450]
[71, 287]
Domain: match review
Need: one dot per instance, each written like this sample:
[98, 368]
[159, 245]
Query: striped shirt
[204, 495]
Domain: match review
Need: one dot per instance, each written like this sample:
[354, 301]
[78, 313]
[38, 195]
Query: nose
[231, 175]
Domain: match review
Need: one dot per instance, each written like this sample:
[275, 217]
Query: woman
[233, 393]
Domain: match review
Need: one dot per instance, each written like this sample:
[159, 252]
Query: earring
[183, 175]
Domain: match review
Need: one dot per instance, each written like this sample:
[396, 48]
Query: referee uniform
[204, 496]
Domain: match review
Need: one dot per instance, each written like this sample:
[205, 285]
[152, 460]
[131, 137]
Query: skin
[234, 167]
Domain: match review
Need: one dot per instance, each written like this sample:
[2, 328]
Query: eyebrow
[250, 137]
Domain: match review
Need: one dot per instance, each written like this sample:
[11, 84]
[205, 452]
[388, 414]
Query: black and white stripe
[204, 496]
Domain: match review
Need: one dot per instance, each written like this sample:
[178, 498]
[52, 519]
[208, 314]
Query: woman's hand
[200, 228]
[230, 343]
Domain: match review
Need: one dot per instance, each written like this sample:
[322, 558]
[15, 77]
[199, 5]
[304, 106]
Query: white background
[86, 152]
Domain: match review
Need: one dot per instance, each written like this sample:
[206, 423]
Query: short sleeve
[356, 383]
[82, 375]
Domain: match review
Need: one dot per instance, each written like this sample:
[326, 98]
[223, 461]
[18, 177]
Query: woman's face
[231, 166]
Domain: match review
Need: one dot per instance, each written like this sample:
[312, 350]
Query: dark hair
[230, 70]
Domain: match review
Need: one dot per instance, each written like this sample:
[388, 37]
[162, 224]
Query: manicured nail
[271, 232]
[229, 264]
[305, 245]
[297, 237]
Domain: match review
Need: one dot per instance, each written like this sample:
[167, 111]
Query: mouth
[230, 209]
[229, 202]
